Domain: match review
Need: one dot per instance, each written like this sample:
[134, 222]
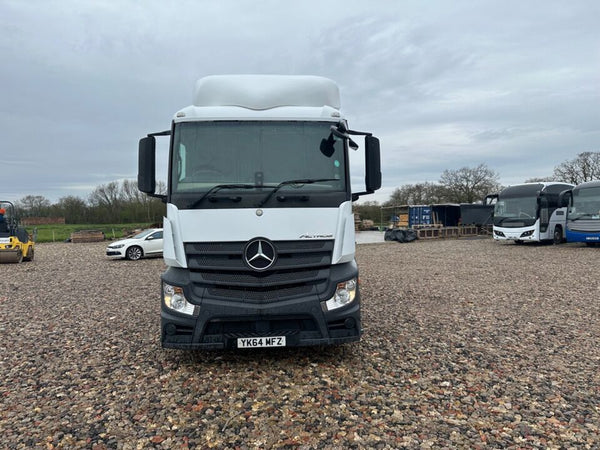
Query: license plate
[258, 342]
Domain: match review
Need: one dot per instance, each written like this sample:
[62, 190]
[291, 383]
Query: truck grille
[218, 271]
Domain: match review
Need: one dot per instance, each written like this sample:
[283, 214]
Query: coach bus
[583, 213]
[529, 212]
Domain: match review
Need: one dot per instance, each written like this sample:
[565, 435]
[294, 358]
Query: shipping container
[419, 215]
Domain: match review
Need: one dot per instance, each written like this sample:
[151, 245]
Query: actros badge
[260, 254]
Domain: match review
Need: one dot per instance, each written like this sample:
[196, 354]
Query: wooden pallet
[435, 232]
[83, 236]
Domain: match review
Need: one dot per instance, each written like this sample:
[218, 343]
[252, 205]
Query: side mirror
[327, 146]
[564, 198]
[335, 131]
[490, 199]
[147, 165]
[372, 164]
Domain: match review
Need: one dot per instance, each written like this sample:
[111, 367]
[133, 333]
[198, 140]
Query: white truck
[259, 231]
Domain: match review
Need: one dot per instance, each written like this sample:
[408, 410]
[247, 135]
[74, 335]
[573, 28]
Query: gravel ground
[468, 343]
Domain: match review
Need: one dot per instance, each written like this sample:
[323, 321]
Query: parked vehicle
[259, 230]
[15, 243]
[147, 243]
[529, 212]
[583, 213]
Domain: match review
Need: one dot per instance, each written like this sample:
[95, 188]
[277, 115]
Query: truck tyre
[134, 253]
[557, 237]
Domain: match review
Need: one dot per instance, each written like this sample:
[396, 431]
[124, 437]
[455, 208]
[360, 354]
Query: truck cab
[259, 231]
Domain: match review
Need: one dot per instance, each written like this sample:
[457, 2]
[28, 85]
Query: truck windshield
[256, 154]
[586, 204]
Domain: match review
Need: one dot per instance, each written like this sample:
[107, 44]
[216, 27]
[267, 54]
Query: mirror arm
[160, 133]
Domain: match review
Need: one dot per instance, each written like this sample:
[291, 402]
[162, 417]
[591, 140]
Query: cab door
[154, 243]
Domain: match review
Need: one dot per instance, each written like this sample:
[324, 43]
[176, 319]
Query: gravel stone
[468, 343]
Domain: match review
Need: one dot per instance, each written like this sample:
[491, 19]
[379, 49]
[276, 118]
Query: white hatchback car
[147, 243]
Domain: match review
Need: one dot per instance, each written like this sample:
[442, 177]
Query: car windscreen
[143, 234]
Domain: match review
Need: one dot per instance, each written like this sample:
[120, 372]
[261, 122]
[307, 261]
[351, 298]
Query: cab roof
[271, 97]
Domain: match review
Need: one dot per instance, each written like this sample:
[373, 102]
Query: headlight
[175, 299]
[345, 294]
[117, 246]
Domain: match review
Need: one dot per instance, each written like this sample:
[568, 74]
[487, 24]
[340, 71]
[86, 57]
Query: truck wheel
[134, 253]
[557, 237]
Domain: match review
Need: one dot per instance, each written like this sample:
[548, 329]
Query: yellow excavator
[15, 243]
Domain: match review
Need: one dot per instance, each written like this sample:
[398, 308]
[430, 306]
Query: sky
[444, 84]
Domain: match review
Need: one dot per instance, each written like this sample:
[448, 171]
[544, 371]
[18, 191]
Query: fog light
[174, 299]
[344, 295]
[350, 323]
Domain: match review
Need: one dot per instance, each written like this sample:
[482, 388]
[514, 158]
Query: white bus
[529, 212]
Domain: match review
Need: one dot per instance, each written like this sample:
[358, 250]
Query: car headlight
[345, 294]
[117, 246]
[174, 299]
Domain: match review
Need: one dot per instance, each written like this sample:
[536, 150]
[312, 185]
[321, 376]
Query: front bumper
[218, 322]
[579, 236]
[115, 253]
[518, 235]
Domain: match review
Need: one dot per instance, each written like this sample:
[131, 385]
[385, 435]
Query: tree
[72, 208]
[416, 194]
[370, 210]
[585, 167]
[106, 203]
[33, 206]
[122, 202]
[469, 184]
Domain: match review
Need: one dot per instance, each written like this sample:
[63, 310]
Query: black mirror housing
[147, 165]
[372, 163]
[564, 198]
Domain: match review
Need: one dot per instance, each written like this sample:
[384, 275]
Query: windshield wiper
[501, 219]
[218, 187]
[289, 182]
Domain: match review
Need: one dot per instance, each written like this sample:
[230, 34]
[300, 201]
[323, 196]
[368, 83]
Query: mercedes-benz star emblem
[259, 254]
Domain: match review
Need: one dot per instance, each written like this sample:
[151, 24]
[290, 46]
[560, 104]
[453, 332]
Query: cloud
[443, 84]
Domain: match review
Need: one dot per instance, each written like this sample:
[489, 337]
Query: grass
[60, 233]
